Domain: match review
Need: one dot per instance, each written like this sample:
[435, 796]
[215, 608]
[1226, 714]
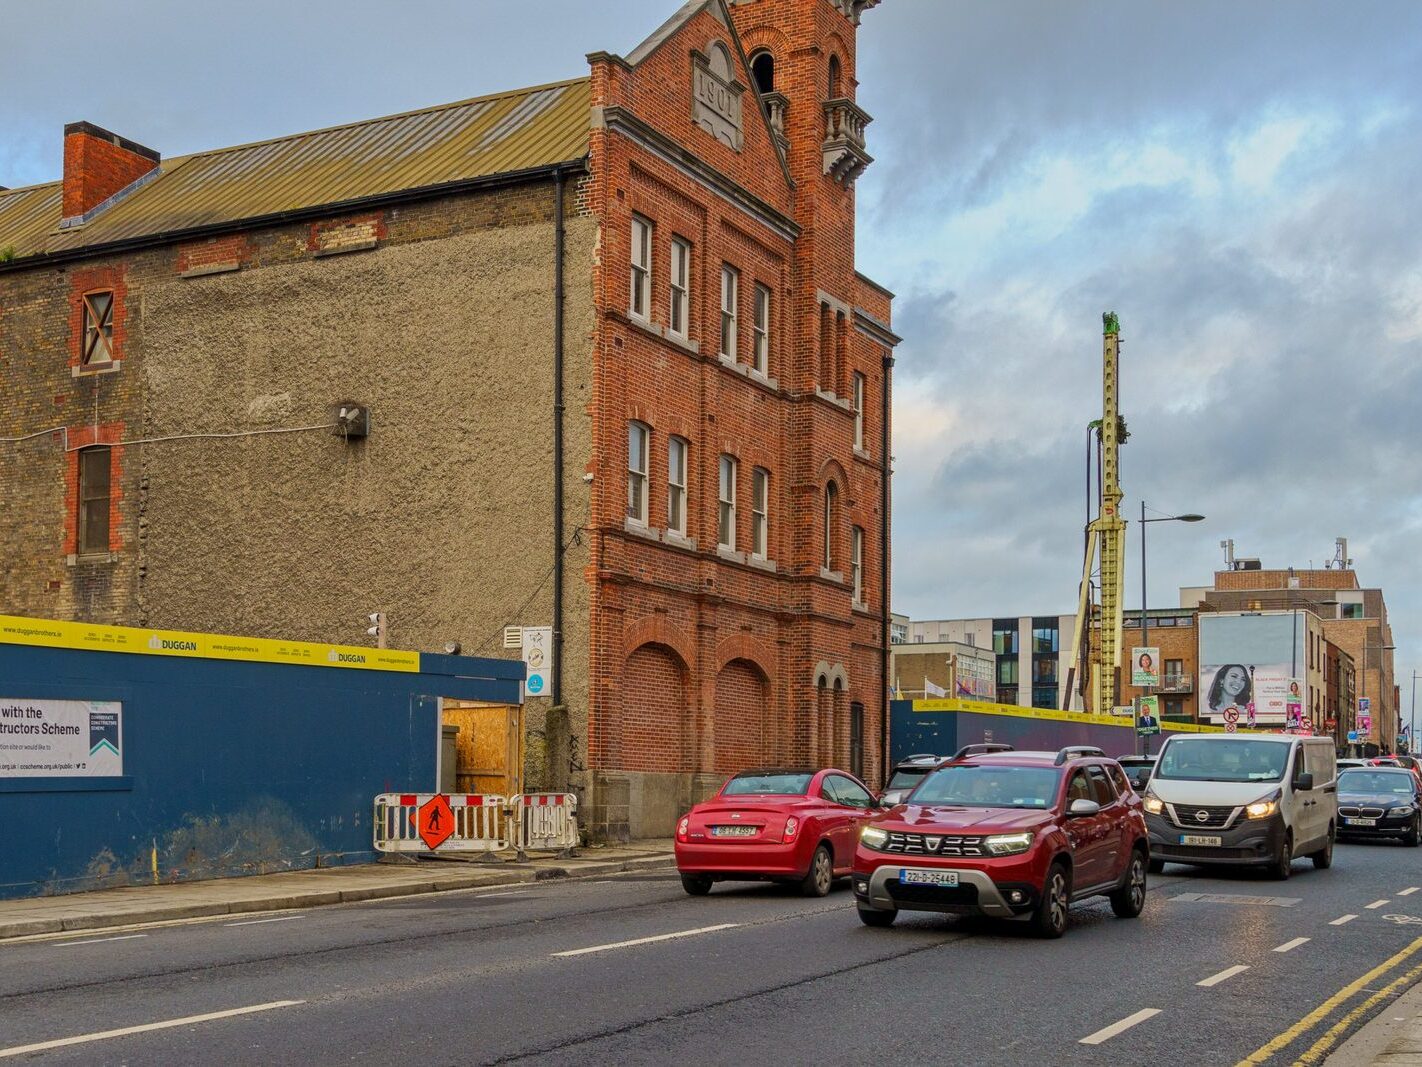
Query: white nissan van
[1257, 799]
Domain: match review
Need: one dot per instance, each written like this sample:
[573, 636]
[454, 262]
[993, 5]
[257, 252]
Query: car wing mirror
[1079, 808]
[1304, 781]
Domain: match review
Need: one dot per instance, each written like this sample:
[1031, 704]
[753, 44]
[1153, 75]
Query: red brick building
[627, 302]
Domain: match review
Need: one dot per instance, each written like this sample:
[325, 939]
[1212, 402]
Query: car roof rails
[921, 755]
[1072, 751]
[979, 750]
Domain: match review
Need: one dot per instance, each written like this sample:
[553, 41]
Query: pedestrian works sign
[52, 633]
[434, 821]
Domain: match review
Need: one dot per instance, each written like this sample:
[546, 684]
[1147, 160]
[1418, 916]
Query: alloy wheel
[1138, 882]
[1057, 900]
[823, 874]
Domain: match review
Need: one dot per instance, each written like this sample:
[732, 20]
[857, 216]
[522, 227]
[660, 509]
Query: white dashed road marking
[258, 922]
[98, 940]
[1342, 919]
[647, 940]
[1228, 972]
[104, 1035]
[1107, 1033]
[1408, 892]
[1289, 946]
[1377, 904]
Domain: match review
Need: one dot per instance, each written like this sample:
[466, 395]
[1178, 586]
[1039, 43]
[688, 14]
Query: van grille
[933, 845]
[1202, 816]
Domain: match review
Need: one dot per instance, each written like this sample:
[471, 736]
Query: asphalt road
[750, 973]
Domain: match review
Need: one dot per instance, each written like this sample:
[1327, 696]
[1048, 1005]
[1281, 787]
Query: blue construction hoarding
[129, 755]
[941, 727]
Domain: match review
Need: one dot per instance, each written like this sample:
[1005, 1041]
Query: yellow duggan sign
[980, 707]
[51, 633]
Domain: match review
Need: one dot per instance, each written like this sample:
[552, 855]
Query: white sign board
[538, 658]
[60, 738]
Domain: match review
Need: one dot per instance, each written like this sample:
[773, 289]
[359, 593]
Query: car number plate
[1361, 822]
[734, 831]
[1200, 839]
[946, 878]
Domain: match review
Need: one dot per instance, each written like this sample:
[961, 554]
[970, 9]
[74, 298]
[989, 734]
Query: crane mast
[1105, 538]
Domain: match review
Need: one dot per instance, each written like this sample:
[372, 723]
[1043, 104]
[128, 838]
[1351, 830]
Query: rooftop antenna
[1228, 547]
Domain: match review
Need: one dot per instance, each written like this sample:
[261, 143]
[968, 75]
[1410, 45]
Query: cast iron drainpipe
[884, 575]
[557, 665]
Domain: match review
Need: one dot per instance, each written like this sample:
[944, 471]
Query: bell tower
[802, 59]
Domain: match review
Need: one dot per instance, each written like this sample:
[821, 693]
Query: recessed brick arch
[657, 629]
[740, 716]
[652, 729]
[747, 647]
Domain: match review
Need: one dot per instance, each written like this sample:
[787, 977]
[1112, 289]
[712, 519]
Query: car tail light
[792, 827]
[682, 827]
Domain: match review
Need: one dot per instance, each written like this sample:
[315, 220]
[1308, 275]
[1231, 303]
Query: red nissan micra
[774, 824]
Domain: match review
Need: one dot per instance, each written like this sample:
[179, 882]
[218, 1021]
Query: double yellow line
[1315, 1052]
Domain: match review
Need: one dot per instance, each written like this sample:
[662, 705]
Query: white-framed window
[856, 563]
[761, 353]
[638, 438]
[726, 517]
[858, 387]
[641, 301]
[679, 314]
[730, 293]
[760, 513]
[831, 521]
[676, 484]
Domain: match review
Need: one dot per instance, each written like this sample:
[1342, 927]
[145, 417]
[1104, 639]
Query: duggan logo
[163, 644]
[344, 657]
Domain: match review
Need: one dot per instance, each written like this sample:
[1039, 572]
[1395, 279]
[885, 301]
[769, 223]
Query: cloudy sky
[1242, 182]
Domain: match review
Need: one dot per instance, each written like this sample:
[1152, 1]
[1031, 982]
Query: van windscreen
[1245, 759]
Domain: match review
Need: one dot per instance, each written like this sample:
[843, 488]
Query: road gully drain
[1236, 898]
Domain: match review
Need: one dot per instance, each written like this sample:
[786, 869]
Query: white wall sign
[538, 658]
[60, 738]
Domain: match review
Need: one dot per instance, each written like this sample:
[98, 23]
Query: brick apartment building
[618, 372]
[1354, 620]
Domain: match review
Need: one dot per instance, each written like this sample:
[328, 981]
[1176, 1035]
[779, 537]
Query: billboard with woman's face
[1247, 664]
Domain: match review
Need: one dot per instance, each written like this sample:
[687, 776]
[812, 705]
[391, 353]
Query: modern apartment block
[1032, 652]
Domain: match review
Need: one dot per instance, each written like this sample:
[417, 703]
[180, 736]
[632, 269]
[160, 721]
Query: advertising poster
[1293, 704]
[1148, 715]
[1145, 667]
[60, 738]
[1259, 692]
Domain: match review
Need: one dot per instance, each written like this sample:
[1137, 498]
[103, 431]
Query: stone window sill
[76, 560]
[730, 554]
[639, 529]
[832, 576]
[683, 342]
[341, 249]
[646, 326]
[860, 453]
[677, 540]
[209, 269]
[763, 564]
[105, 368]
[750, 375]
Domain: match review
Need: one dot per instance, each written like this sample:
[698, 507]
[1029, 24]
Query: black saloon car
[1379, 802]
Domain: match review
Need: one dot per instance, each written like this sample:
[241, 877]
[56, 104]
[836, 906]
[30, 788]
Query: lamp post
[1145, 614]
[1412, 718]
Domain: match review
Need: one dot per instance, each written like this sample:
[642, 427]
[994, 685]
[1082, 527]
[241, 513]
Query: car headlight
[1405, 809]
[873, 837]
[1262, 809]
[1152, 804]
[1007, 844]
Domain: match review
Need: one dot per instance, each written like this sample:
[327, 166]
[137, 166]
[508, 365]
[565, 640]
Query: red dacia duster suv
[1007, 834]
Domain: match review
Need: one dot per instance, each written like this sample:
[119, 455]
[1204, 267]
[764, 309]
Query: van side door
[1304, 806]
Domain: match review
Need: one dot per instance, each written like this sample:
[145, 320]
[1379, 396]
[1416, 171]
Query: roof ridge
[384, 118]
[30, 188]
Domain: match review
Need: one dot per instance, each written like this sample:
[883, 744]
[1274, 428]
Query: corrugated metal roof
[486, 136]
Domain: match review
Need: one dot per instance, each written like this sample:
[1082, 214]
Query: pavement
[1223, 967]
[133, 905]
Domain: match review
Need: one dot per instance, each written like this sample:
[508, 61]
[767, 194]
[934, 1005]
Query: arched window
[831, 524]
[762, 66]
[836, 79]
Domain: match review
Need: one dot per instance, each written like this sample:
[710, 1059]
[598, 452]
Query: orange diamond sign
[435, 821]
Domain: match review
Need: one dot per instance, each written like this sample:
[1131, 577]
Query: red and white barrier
[544, 821]
[479, 823]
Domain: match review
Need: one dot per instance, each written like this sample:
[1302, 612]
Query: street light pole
[1141, 739]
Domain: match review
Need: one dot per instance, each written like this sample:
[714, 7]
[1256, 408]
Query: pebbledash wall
[681, 660]
[229, 767]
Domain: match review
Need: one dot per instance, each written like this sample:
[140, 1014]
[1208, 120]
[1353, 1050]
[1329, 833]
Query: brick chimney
[98, 164]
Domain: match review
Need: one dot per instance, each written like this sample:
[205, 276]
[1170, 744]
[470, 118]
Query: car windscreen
[987, 786]
[1244, 759]
[1374, 782]
[791, 785]
[908, 777]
